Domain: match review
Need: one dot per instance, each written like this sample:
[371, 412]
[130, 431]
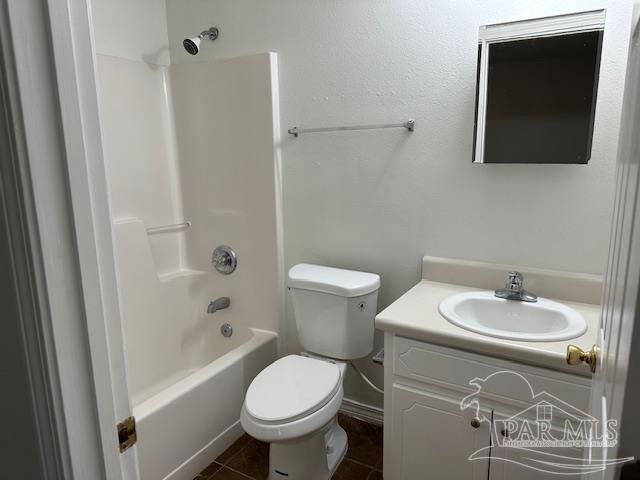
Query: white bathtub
[186, 424]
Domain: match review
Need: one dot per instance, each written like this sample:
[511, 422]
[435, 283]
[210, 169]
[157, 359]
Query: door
[72, 47]
[538, 463]
[59, 187]
[433, 438]
[620, 296]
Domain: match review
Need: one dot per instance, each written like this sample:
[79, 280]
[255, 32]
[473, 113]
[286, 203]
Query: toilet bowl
[293, 405]
[294, 402]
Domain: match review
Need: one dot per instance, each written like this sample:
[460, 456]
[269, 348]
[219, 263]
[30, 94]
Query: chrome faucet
[514, 289]
[218, 304]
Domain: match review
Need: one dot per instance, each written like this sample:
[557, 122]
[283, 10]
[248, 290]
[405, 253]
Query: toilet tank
[334, 309]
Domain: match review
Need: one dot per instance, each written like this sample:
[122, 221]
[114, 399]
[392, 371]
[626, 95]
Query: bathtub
[186, 420]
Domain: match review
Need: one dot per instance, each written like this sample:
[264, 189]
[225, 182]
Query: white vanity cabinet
[444, 404]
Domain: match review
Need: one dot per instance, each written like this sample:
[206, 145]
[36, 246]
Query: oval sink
[484, 313]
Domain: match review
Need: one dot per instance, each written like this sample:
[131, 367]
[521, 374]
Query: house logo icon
[550, 435]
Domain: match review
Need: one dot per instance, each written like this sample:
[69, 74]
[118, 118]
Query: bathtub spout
[218, 304]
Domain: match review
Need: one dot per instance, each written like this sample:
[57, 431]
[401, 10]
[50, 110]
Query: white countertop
[415, 315]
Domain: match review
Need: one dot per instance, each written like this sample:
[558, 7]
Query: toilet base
[312, 457]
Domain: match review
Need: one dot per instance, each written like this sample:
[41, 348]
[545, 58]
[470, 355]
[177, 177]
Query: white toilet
[293, 403]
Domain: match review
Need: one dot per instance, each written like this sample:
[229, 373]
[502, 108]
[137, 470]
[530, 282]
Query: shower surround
[193, 142]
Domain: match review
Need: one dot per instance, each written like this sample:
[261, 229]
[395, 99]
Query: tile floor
[248, 458]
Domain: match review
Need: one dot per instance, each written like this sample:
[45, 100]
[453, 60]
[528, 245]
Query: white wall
[131, 29]
[379, 200]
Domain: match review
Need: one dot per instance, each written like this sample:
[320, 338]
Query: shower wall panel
[139, 146]
[226, 117]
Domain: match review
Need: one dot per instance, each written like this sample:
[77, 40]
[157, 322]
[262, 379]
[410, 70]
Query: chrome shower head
[192, 45]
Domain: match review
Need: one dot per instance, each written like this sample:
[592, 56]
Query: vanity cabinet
[443, 405]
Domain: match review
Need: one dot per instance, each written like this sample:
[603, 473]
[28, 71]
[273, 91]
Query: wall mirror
[536, 89]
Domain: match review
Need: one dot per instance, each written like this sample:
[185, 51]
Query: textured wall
[378, 201]
[136, 30]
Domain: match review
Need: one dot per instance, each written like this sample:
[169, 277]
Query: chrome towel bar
[409, 125]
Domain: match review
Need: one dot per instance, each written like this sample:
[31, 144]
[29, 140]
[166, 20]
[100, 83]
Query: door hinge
[127, 435]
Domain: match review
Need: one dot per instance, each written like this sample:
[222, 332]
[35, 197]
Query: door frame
[622, 284]
[54, 192]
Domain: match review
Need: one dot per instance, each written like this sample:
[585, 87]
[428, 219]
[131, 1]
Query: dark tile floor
[248, 458]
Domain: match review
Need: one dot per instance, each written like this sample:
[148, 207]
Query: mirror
[536, 89]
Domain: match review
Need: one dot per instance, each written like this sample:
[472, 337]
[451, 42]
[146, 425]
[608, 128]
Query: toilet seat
[290, 388]
[292, 397]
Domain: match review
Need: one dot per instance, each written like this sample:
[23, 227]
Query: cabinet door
[432, 437]
[549, 463]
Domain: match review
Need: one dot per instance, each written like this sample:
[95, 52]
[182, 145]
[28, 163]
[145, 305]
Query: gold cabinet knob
[575, 356]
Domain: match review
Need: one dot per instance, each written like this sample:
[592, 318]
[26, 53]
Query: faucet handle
[515, 275]
[224, 259]
[515, 281]
[514, 289]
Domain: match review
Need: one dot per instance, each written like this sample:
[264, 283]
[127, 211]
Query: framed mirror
[536, 89]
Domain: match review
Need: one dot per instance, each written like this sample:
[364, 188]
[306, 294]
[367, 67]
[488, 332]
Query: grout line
[236, 471]
[202, 477]
[371, 473]
[226, 464]
[372, 467]
[235, 454]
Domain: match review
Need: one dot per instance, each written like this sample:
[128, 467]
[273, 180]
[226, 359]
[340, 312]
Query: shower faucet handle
[224, 259]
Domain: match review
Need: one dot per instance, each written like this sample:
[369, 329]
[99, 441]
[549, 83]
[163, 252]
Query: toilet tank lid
[337, 281]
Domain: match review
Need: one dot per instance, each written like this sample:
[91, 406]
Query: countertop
[415, 315]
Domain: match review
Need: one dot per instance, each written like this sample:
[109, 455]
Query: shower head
[192, 45]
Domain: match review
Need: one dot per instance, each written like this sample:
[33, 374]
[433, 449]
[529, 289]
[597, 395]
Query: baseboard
[365, 412]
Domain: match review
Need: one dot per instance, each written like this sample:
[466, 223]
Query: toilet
[294, 402]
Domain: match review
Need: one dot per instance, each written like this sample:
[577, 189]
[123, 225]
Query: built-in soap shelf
[170, 276]
[172, 227]
[157, 255]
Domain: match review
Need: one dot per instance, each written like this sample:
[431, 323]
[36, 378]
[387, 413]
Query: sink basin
[484, 313]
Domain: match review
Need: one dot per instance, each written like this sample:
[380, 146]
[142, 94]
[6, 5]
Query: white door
[50, 79]
[75, 70]
[623, 270]
[509, 463]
